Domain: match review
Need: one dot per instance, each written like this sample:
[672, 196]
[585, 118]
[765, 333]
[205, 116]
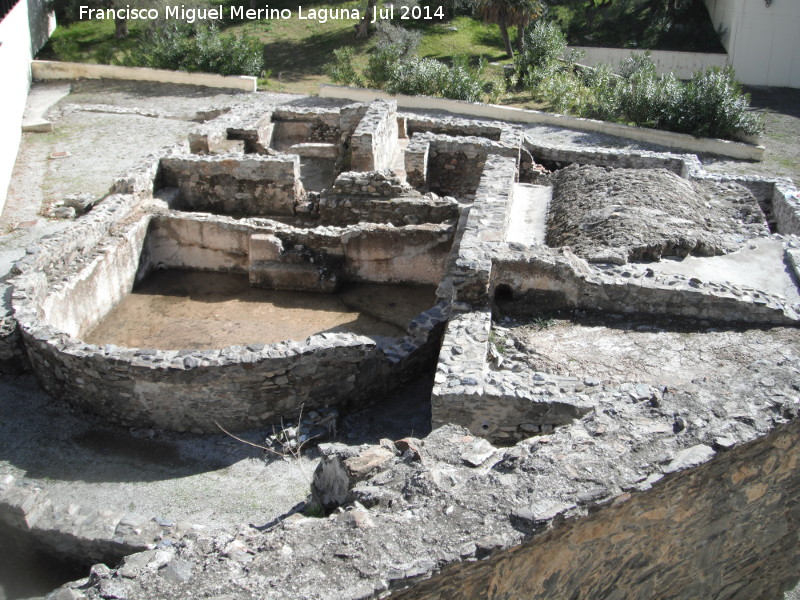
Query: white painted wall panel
[683, 64]
[15, 58]
[763, 42]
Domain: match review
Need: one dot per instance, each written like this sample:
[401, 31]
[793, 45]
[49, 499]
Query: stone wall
[298, 124]
[236, 185]
[546, 279]
[88, 535]
[388, 254]
[453, 126]
[369, 252]
[255, 131]
[253, 126]
[288, 126]
[786, 208]
[397, 211]
[415, 161]
[458, 395]
[349, 118]
[486, 225]
[374, 142]
[274, 265]
[196, 243]
[454, 171]
[449, 165]
[89, 289]
[726, 529]
[559, 156]
[50, 256]
[500, 406]
[12, 353]
[241, 386]
[375, 184]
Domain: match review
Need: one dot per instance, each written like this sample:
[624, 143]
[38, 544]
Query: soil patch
[193, 310]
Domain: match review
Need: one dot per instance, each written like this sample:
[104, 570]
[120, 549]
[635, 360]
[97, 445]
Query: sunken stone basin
[184, 381]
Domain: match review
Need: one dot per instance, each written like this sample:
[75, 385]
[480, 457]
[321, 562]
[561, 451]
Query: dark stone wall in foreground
[726, 530]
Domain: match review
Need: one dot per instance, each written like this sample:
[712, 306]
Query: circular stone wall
[182, 390]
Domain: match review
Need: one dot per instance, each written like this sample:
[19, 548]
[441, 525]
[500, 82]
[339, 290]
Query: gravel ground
[781, 137]
[211, 480]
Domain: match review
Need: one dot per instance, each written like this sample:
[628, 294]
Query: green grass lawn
[89, 41]
[295, 51]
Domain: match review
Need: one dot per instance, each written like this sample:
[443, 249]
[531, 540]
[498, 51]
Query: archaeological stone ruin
[612, 336]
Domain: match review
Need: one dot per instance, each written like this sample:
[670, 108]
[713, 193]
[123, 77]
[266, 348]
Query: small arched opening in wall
[503, 293]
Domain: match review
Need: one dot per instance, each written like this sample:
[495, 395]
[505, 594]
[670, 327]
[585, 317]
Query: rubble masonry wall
[449, 165]
[374, 141]
[251, 185]
[242, 386]
[724, 529]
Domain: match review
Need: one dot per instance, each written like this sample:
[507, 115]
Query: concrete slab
[528, 216]
[759, 265]
[41, 98]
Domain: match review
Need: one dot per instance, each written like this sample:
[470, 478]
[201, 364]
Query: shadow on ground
[45, 440]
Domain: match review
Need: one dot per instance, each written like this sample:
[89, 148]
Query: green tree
[509, 13]
[362, 27]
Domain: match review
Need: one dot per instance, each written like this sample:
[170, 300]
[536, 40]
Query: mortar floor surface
[194, 310]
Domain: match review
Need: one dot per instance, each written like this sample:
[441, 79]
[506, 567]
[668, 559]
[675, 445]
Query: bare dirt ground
[188, 310]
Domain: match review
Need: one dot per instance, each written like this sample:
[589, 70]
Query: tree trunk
[501, 21]
[120, 28]
[362, 27]
[520, 37]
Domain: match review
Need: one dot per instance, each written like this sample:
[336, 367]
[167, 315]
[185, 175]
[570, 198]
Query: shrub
[394, 66]
[712, 104]
[341, 70]
[429, 77]
[185, 47]
[639, 66]
[464, 82]
[405, 41]
[392, 44]
[639, 99]
[604, 103]
[543, 44]
[565, 92]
